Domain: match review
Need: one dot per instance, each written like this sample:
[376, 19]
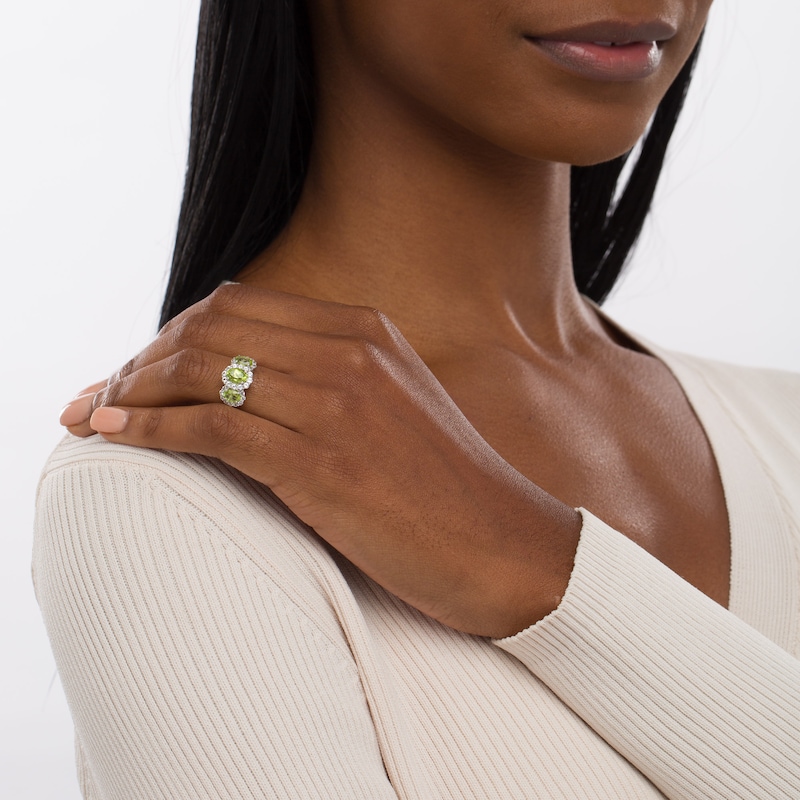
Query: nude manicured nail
[109, 420]
[77, 410]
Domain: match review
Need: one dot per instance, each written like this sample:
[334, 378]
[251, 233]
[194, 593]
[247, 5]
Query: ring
[235, 379]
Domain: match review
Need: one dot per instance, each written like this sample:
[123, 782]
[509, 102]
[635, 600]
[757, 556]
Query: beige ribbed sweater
[210, 646]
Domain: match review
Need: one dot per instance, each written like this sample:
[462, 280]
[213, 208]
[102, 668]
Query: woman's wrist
[514, 554]
[531, 565]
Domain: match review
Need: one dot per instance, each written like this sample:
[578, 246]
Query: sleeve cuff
[699, 701]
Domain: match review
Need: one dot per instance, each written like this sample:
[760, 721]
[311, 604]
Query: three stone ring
[235, 379]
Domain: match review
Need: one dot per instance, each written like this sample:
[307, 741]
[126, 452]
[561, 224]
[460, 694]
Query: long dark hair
[251, 129]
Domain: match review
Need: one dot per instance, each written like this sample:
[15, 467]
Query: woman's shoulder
[95, 491]
[199, 630]
[206, 487]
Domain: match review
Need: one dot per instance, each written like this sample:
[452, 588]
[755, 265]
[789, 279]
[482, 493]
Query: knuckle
[151, 422]
[126, 369]
[360, 355]
[216, 423]
[223, 299]
[189, 369]
[195, 329]
[257, 442]
[110, 396]
[371, 321]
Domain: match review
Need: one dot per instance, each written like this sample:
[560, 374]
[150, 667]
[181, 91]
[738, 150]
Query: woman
[422, 612]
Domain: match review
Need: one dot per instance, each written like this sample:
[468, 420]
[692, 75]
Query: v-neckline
[762, 578]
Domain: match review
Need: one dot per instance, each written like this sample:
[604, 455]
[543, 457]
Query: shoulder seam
[159, 486]
[156, 479]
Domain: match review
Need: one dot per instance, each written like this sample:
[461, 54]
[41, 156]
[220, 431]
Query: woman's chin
[580, 151]
[591, 136]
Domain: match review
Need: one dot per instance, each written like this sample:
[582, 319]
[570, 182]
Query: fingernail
[109, 420]
[76, 411]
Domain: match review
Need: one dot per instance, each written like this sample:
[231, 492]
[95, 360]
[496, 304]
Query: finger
[81, 430]
[281, 308]
[236, 319]
[267, 452]
[77, 411]
[74, 416]
[288, 348]
[194, 377]
[79, 408]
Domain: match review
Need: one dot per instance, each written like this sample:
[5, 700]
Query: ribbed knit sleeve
[189, 670]
[700, 702]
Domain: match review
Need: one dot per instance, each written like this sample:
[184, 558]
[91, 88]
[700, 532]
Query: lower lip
[627, 62]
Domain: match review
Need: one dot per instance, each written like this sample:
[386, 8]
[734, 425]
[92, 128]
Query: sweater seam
[159, 485]
[210, 528]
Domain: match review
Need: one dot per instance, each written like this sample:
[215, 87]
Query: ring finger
[193, 377]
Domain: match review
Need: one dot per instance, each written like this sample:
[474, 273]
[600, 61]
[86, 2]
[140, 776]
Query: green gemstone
[244, 361]
[236, 375]
[231, 397]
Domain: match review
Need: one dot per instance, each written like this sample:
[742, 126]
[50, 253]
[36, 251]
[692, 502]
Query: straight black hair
[251, 127]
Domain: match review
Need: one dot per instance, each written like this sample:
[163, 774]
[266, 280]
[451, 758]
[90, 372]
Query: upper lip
[618, 32]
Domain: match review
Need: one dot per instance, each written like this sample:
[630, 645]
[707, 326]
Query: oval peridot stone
[244, 361]
[236, 375]
[231, 397]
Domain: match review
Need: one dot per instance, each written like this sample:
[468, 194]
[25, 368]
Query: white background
[93, 129]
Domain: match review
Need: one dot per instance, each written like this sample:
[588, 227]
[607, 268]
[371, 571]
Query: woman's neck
[456, 241]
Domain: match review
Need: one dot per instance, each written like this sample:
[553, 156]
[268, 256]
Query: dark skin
[443, 443]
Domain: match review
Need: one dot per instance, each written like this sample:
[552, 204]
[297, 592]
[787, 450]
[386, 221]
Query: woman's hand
[349, 428]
